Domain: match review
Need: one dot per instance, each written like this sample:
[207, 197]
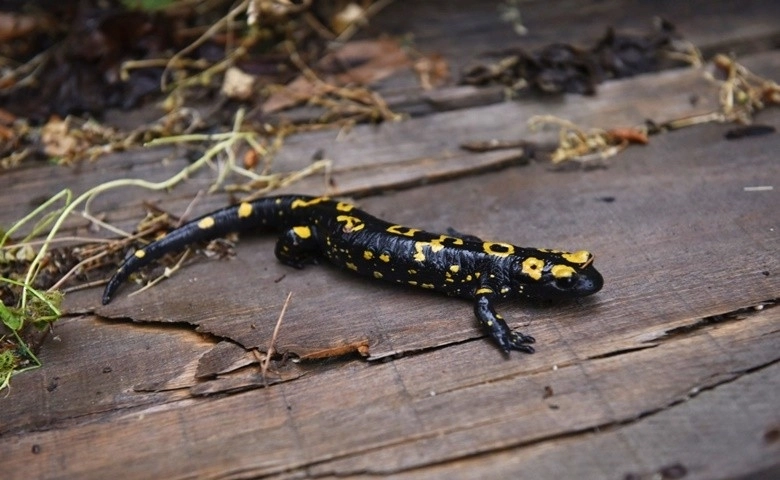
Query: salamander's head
[556, 274]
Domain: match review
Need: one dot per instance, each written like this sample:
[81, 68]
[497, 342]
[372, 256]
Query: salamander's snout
[589, 281]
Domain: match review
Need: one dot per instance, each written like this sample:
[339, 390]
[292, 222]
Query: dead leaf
[58, 139]
[632, 135]
[18, 25]
[237, 84]
[433, 71]
[356, 63]
[351, 14]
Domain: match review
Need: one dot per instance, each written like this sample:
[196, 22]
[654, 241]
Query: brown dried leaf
[237, 84]
[365, 61]
[632, 135]
[58, 139]
[433, 71]
[17, 25]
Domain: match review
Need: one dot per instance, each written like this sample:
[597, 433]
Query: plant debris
[100, 55]
[75, 68]
[339, 89]
[741, 94]
[749, 131]
[564, 68]
[575, 143]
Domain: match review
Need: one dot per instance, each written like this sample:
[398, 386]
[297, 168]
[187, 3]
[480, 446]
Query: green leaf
[11, 318]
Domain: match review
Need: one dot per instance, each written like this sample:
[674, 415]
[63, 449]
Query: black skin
[458, 265]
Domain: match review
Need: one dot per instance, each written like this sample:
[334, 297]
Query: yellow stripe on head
[580, 257]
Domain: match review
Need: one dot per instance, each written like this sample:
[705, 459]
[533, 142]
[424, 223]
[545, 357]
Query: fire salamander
[458, 265]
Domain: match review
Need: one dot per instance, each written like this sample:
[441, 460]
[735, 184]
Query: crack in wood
[415, 351]
[432, 171]
[732, 316]
[621, 351]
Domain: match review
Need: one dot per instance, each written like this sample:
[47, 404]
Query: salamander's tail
[247, 215]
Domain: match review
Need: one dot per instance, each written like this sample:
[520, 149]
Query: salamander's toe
[518, 342]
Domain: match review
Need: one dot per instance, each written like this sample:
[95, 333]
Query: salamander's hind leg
[297, 247]
[495, 325]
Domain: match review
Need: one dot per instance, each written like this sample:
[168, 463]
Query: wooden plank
[466, 33]
[365, 157]
[97, 367]
[463, 31]
[668, 297]
[356, 418]
[368, 159]
[669, 221]
[686, 436]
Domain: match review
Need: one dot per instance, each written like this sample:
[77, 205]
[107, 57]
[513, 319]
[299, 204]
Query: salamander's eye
[565, 283]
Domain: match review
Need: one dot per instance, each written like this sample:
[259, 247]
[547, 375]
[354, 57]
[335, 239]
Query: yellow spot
[206, 223]
[368, 254]
[533, 267]
[498, 249]
[244, 210]
[498, 316]
[303, 232]
[301, 203]
[351, 224]
[140, 253]
[581, 257]
[385, 257]
[351, 266]
[412, 282]
[468, 277]
[439, 242]
[484, 291]
[344, 207]
[427, 285]
[455, 241]
[454, 268]
[562, 271]
[435, 244]
[418, 248]
[377, 274]
[449, 280]
[477, 274]
[401, 230]
[412, 271]
[504, 290]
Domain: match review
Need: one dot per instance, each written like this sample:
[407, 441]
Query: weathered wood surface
[639, 380]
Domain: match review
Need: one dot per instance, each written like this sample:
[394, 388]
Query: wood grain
[672, 369]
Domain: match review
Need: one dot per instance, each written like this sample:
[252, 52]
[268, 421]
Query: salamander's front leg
[298, 246]
[495, 325]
